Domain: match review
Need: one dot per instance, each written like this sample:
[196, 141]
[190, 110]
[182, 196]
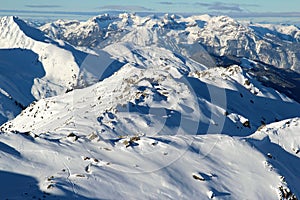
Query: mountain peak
[17, 32]
[8, 22]
[50, 55]
[101, 18]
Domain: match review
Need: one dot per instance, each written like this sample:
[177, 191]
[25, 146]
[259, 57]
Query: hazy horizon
[257, 11]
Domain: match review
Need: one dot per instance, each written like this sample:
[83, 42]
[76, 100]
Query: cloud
[166, 3]
[170, 3]
[266, 14]
[220, 6]
[43, 6]
[47, 12]
[125, 8]
[280, 17]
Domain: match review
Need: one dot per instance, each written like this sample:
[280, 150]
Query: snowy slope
[148, 114]
[74, 163]
[281, 142]
[54, 57]
[9, 108]
[33, 66]
[166, 167]
[16, 80]
[162, 99]
[124, 136]
[29, 62]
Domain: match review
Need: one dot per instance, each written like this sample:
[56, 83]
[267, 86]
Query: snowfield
[165, 167]
[130, 107]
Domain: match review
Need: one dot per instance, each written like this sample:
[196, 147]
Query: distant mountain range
[276, 45]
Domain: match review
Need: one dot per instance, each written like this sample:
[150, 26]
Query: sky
[235, 8]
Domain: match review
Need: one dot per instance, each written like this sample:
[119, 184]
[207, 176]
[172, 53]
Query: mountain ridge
[256, 42]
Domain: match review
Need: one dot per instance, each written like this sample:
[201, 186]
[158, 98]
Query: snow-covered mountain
[149, 107]
[50, 56]
[277, 45]
[34, 66]
[161, 100]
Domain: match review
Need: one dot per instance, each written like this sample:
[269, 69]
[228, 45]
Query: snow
[15, 34]
[283, 133]
[219, 35]
[115, 130]
[163, 170]
[280, 141]
[146, 114]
